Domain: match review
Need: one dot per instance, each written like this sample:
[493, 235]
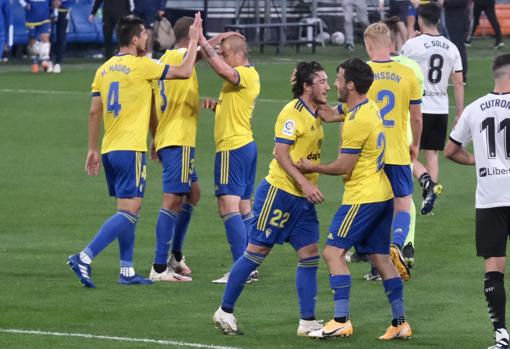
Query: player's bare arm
[185, 69]
[458, 90]
[217, 63]
[458, 154]
[416, 128]
[93, 161]
[343, 165]
[311, 191]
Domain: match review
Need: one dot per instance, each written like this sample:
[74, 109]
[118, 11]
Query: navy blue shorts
[35, 31]
[126, 173]
[401, 179]
[282, 217]
[235, 170]
[178, 169]
[367, 227]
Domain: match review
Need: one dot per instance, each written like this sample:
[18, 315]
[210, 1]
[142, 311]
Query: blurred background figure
[149, 11]
[489, 8]
[113, 10]
[37, 20]
[361, 13]
[456, 18]
[61, 13]
[5, 29]
[399, 8]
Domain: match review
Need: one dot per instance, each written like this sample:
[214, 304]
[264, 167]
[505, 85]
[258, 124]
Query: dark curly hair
[304, 74]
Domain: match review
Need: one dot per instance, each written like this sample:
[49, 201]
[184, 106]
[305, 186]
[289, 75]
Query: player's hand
[202, 40]
[56, 3]
[414, 151]
[196, 28]
[209, 103]
[161, 13]
[304, 166]
[154, 153]
[312, 193]
[91, 18]
[93, 163]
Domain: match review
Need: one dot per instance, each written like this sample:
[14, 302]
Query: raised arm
[185, 70]
[217, 63]
[311, 191]
[93, 161]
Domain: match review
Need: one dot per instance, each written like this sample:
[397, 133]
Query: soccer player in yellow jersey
[397, 92]
[122, 95]
[364, 218]
[236, 150]
[284, 207]
[177, 105]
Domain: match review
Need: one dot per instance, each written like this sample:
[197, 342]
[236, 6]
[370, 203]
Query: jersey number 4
[489, 124]
[113, 105]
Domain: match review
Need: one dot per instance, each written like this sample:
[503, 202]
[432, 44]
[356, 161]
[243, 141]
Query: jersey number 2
[113, 105]
[386, 96]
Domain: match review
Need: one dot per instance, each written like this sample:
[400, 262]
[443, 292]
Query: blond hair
[378, 34]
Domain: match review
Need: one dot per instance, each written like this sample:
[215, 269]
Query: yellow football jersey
[301, 128]
[124, 84]
[177, 104]
[408, 62]
[232, 126]
[395, 87]
[363, 133]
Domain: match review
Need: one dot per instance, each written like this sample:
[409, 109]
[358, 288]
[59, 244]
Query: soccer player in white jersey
[486, 123]
[439, 59]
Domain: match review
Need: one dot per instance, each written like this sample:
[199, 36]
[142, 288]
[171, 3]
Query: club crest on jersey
[289, 127]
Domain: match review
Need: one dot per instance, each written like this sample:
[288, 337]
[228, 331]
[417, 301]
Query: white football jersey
[486, 123]
[438, 58]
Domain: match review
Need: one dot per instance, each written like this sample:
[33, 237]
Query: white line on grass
[114, 338]
[51, 92]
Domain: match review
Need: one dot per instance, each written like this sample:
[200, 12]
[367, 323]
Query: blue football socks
[181, 227]
[306, 286]
[120, 224]
[164, 231]
[247, 219]
[341, 286]
[394, 289]
[239, 273]
[400, 227]
[236, 234]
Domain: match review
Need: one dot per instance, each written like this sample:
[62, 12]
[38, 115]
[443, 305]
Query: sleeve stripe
[96, 94]
[340, 108]
[459, 71]
[455, 141]
[283, 140]
[165, 71]
[350, 151]
[415, 101]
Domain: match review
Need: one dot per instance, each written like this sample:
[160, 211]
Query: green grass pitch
[50, 208]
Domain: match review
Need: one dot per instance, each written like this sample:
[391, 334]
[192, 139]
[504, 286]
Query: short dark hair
[500, 62]
[127, 27]
[359, 72]
[181, 28]
[305, 72]
[429, 13]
